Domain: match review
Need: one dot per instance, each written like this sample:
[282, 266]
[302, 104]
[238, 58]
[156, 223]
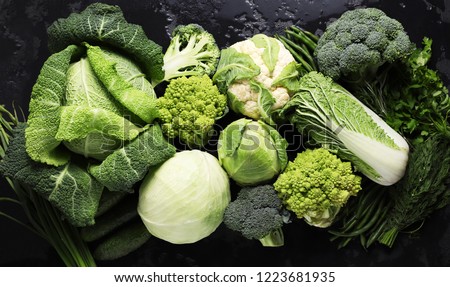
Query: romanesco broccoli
[359, 42]
[189, 108]
[257, 213]
[316, 185]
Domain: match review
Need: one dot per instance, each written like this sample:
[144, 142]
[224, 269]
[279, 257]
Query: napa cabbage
[329, 115]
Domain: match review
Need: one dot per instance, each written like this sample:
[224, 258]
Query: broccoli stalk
[274, 239]
[257, 213]
[192, 52]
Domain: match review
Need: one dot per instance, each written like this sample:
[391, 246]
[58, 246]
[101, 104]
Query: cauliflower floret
[281, 96]
[242, 89]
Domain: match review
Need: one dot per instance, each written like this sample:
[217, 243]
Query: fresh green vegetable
[192, 52]
[336, 120]
[251, 152]
[136, 157]
[184, 199]
[381, 213]
[359, 42]
[44, 219]
[70, 188]
[109, 200]
[424, 189]
[92, 99]
[121, 243]
[138, 98]
[189, 108]
[258, 75]
[84, 102]
[84, 90]
[257, 213]
[111, 220]
[413, 100]
[302, 45]
[45, 111]
[57, 117]
[363, 217]
[410, 97]
[103, 23]
[316, 185]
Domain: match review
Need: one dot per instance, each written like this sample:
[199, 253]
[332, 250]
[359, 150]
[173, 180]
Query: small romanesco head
[316, 185]
[242, 89]
[189, 108]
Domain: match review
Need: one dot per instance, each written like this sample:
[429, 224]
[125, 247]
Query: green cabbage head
[251, 152]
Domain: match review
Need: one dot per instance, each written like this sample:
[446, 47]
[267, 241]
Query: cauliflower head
[257, 74]
[360, 41]
[316, 185]
[189, 108]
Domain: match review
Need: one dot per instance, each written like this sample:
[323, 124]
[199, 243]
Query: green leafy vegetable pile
[411, 98]
[89, 110]
[99, 173]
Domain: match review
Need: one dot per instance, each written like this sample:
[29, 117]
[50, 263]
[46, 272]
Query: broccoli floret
[365, 39]
[356, 56]
[192, 52]
[376, 41]
[329, 56]
[189, 108]
[316, 185]
[257, 213]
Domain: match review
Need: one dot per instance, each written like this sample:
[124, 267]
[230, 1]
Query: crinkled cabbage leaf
[128, 165]
[68, 187]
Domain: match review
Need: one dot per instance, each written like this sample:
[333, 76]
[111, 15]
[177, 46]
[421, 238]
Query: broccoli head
[316, 185]
[189, 108]
[257, 213]
[192, 52]
[359, 42]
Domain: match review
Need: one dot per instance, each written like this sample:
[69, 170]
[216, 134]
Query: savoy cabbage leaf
[85, 89]
[135, 100]
[130, 71]
[128, 165]
[70, 188]
[78, 122]
[45, 108]
[102, 23]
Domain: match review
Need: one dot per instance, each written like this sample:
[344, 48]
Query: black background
[23, 49]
